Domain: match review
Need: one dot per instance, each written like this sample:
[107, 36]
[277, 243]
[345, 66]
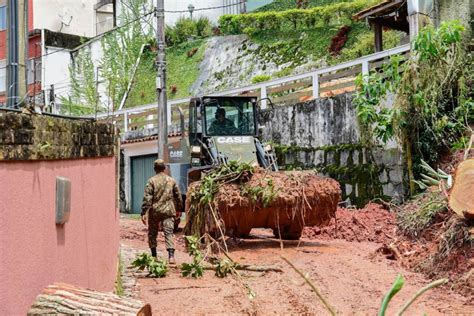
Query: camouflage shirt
[162, 196]
[226, 127]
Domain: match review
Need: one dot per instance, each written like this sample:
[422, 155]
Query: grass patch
[183, 70]
[421, 212]
[293, 46]
[118, 281]
[281, 5]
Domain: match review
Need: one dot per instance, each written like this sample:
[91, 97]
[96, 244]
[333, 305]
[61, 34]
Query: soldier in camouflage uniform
[222, 125]
[160, 201]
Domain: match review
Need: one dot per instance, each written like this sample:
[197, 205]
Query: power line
[133, 21]
[208, 8]
[94, 37]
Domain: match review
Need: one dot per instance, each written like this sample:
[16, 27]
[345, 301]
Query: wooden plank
[331, 93]
[340, 74]
[338, 86]
[286, 87]
[293, 96]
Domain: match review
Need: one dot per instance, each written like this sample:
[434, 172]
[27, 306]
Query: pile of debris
[374, 223]
[236, 198]
[432, 233]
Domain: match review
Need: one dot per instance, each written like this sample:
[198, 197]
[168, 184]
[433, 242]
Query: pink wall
[34, 252]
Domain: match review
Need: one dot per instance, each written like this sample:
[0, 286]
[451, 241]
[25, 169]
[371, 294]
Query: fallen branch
[248, 267]
[308, 281]
[182, 287]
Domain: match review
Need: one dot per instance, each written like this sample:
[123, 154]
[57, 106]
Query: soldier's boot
[171, 259]
[153, 252]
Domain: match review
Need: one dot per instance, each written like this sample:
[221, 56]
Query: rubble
[372, 223]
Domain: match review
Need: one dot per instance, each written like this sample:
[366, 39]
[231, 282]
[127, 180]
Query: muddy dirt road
[350, 275]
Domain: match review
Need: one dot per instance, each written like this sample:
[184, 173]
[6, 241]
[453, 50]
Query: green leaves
[334, 14]
[396, 287]
[156, 268]
[194, 269]
[431, 105]
[224, 267]
[265, 193]
[431, 43]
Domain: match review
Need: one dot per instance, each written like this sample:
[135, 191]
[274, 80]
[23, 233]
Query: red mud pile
[372, 223]
[282, 201]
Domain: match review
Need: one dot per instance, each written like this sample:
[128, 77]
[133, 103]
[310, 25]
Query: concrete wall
[34, 252]
[56, 72]
[48, 14]
[456, 10]
[323, 134]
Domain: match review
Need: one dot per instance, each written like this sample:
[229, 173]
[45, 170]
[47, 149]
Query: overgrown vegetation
[433, 104]
[420, 213]
[121, 49]
[260, 78]
[297, 19]
[156, 268]
[183, 70]
[281, 5]
[118, 280]
[186, 29]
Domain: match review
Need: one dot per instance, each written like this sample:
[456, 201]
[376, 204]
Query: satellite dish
[66, 17]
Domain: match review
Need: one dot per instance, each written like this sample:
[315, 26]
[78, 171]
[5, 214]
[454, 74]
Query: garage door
[141, 170]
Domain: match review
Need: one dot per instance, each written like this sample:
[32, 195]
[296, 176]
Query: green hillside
[280, 5]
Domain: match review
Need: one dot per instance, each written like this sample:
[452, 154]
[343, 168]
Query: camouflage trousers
[167, 223]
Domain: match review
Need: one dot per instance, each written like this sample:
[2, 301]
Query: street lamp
[191, 9]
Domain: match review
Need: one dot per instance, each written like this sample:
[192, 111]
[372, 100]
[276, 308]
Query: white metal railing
[321, 82]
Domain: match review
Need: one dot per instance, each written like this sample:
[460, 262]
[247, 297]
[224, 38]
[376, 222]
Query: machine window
[230, 117]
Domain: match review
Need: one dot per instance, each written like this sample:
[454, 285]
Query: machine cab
[224, 129]
[222, 116]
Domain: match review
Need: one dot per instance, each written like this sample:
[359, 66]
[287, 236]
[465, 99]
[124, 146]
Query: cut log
[60, 298]
[461, 198]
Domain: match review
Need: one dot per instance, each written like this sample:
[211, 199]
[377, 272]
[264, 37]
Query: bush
[186, 28]
[260, 78]
[364, 44]
[203, 27]
[334, 14]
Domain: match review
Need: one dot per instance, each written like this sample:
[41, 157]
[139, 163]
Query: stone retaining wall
[41, 137]
[323, 135]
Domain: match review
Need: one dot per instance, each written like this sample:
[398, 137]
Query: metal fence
[322, 82]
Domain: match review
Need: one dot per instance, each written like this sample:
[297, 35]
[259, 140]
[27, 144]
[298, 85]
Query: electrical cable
[204, 9]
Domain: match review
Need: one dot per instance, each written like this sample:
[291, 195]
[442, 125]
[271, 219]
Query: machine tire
[288, 233]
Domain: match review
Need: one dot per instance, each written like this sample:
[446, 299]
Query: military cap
[159, 163]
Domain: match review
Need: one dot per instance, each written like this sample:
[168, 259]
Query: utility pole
[161, 80]
[12, 54]
[16, 53]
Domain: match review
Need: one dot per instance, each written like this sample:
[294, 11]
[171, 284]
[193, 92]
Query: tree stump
[461, 198]
[60, 298]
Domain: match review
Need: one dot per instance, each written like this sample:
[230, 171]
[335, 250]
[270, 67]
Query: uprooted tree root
[235, 198]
